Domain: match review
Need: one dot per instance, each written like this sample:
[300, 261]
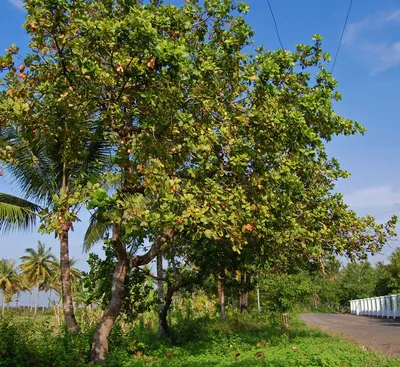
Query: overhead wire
[343, 32]
[276, 25]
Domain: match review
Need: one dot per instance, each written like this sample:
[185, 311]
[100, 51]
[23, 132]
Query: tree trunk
[163, 313]
[160, 294]
[68, 306]
[244, 301]
[221, 295]
[244, 293]
[37, 300]
[100, 338]
[30, 301]
[3, 296]
[49, 299]
[258, 301]
[44, 299]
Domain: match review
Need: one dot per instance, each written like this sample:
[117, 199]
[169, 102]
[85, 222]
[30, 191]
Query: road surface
[380, 334]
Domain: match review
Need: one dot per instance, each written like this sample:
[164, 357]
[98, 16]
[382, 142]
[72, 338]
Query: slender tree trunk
[3, 296]
[258, 301]
[37, 300]
[244, 294]
[68, 306]
[100, 338]
[49, 299]
[30, 301]
[17, 301]
[44, 299]
[163, 313]
[162, 331]
[244, 301]
[221, 295]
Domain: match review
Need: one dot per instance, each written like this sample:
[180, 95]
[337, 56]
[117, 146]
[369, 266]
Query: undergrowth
[241, 340]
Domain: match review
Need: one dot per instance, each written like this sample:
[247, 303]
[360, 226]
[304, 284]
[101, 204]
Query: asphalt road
[380, 334]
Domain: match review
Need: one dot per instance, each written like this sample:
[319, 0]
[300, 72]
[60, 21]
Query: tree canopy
[208, 138]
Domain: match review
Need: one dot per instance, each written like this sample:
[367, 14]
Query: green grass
[254, 342]
[242, 340]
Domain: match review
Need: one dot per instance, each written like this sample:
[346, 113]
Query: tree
[326, 280]
[50, 142]
[208, 141]
[55, 187]
[389, 276]
[357, 280]
[75, 275]
[8, 279]
[38, 266]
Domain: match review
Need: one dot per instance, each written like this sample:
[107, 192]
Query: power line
[341, 37]
[276, 25]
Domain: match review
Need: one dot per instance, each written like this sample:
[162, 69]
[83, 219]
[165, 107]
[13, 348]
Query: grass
[242, 340]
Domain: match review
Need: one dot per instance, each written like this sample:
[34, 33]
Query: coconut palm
[8, 279]
[38, 266]
[75, 275]
[45, 169]
[25, 286]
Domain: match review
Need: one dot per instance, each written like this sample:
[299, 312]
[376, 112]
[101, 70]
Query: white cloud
[374, 198]
[381, 55]
[17, 3]
[353, 30]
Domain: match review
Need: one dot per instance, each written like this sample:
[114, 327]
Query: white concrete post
[382, 302]
[394, 303]
[388, 308]
[377, 306]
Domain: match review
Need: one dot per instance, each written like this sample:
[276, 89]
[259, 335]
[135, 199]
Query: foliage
[9, 280]
[74, 272]
[358, 280]
[176, 86]
[208, 151]
[139, 292]
[284, 292]
[38, 265]
[24, 343]
[17, 213]
[389, 276]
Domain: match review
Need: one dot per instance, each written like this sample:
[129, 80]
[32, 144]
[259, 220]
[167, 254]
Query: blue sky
[368, 71]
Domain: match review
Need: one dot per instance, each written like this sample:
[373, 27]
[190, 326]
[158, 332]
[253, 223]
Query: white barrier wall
[385, 306]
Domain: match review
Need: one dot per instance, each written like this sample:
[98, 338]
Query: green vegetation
[189, 148]
[205, 341]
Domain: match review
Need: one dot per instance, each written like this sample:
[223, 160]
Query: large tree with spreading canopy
[210, 138]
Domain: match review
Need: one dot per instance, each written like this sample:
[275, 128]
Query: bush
[26, 343]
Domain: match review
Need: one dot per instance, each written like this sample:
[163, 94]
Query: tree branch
[138, 260]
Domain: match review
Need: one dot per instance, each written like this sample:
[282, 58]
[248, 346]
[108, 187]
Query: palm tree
[37, 266]
[8, 279]
[24, 286]
[75, 274]
[45, 170]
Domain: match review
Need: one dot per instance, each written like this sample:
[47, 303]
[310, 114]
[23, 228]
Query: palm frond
[34, 169]
[38, 265]
[95, 233]
[17, 213]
